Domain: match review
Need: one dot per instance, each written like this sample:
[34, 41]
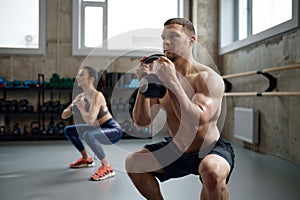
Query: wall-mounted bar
[273, 69]
[260, 94]
[264, 72]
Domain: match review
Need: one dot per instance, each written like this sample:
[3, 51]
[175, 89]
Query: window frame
[82, 34]
[252, 39]
[41, 50]
[78, 48]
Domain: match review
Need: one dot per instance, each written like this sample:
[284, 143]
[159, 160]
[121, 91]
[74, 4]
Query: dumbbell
[50, 106]
[23, 102]
[43, 108]
[13, 106]
[150, 86]
[23, 105]
[55, 106]
[3, 105]
[30, 108]
[127, 126]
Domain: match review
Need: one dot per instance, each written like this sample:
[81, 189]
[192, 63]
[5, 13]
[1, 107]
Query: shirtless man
[192, 105]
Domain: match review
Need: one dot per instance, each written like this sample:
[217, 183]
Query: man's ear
[192, 39]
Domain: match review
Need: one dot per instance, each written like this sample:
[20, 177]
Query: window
[273, 13]
[24, 25]
[115, 27]
[244, 22]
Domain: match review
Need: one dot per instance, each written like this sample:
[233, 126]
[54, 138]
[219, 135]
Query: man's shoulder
[205, 72]
[209, 77]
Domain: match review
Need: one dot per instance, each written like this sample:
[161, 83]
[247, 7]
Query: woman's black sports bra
[103, 111]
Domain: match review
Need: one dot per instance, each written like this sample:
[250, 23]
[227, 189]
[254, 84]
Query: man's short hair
[185, 23]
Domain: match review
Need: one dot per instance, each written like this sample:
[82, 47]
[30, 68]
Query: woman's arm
[67, 112]
[97, 102]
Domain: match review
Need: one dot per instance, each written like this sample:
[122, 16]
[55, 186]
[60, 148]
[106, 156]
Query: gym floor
[38, 170]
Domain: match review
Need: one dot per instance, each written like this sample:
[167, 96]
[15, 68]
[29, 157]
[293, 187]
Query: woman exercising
[96, 127]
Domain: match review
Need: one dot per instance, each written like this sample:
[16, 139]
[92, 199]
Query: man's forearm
[141, 111]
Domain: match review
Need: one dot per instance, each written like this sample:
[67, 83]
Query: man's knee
[140, 162]
[214, 171]
[131, 163]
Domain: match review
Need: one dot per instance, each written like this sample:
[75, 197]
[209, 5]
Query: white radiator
[246, 125]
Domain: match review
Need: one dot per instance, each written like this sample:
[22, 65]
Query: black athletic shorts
[176, 164]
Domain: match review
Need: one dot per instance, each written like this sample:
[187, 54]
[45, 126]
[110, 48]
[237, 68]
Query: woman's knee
[89, 136]
[67, 131]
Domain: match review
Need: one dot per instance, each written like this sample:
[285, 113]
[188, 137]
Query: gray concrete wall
[279, 122]
[280, 116]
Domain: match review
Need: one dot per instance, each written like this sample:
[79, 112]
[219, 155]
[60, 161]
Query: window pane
[95, 0]
[227, 22]
[243, 19]
[93, 30]
[20, 20]
[123, 18]
[269, 13]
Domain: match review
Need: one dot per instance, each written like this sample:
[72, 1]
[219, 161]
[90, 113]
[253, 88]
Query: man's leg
[214, 170]
[138, 166]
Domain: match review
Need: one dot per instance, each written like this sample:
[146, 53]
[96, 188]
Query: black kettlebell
[2, 130]
[150, 86]
[75, 109]
[35, 128]
[51, 129]
[16, 130]
[26, 129]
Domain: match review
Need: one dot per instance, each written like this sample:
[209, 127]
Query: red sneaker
[82, 162]
[103, 173]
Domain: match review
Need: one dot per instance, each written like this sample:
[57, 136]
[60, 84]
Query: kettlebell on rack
[35, 128]
[150, 86]
[51, 129]
[16, 130]
[60, 128]
[2, 130]
[26, 129]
